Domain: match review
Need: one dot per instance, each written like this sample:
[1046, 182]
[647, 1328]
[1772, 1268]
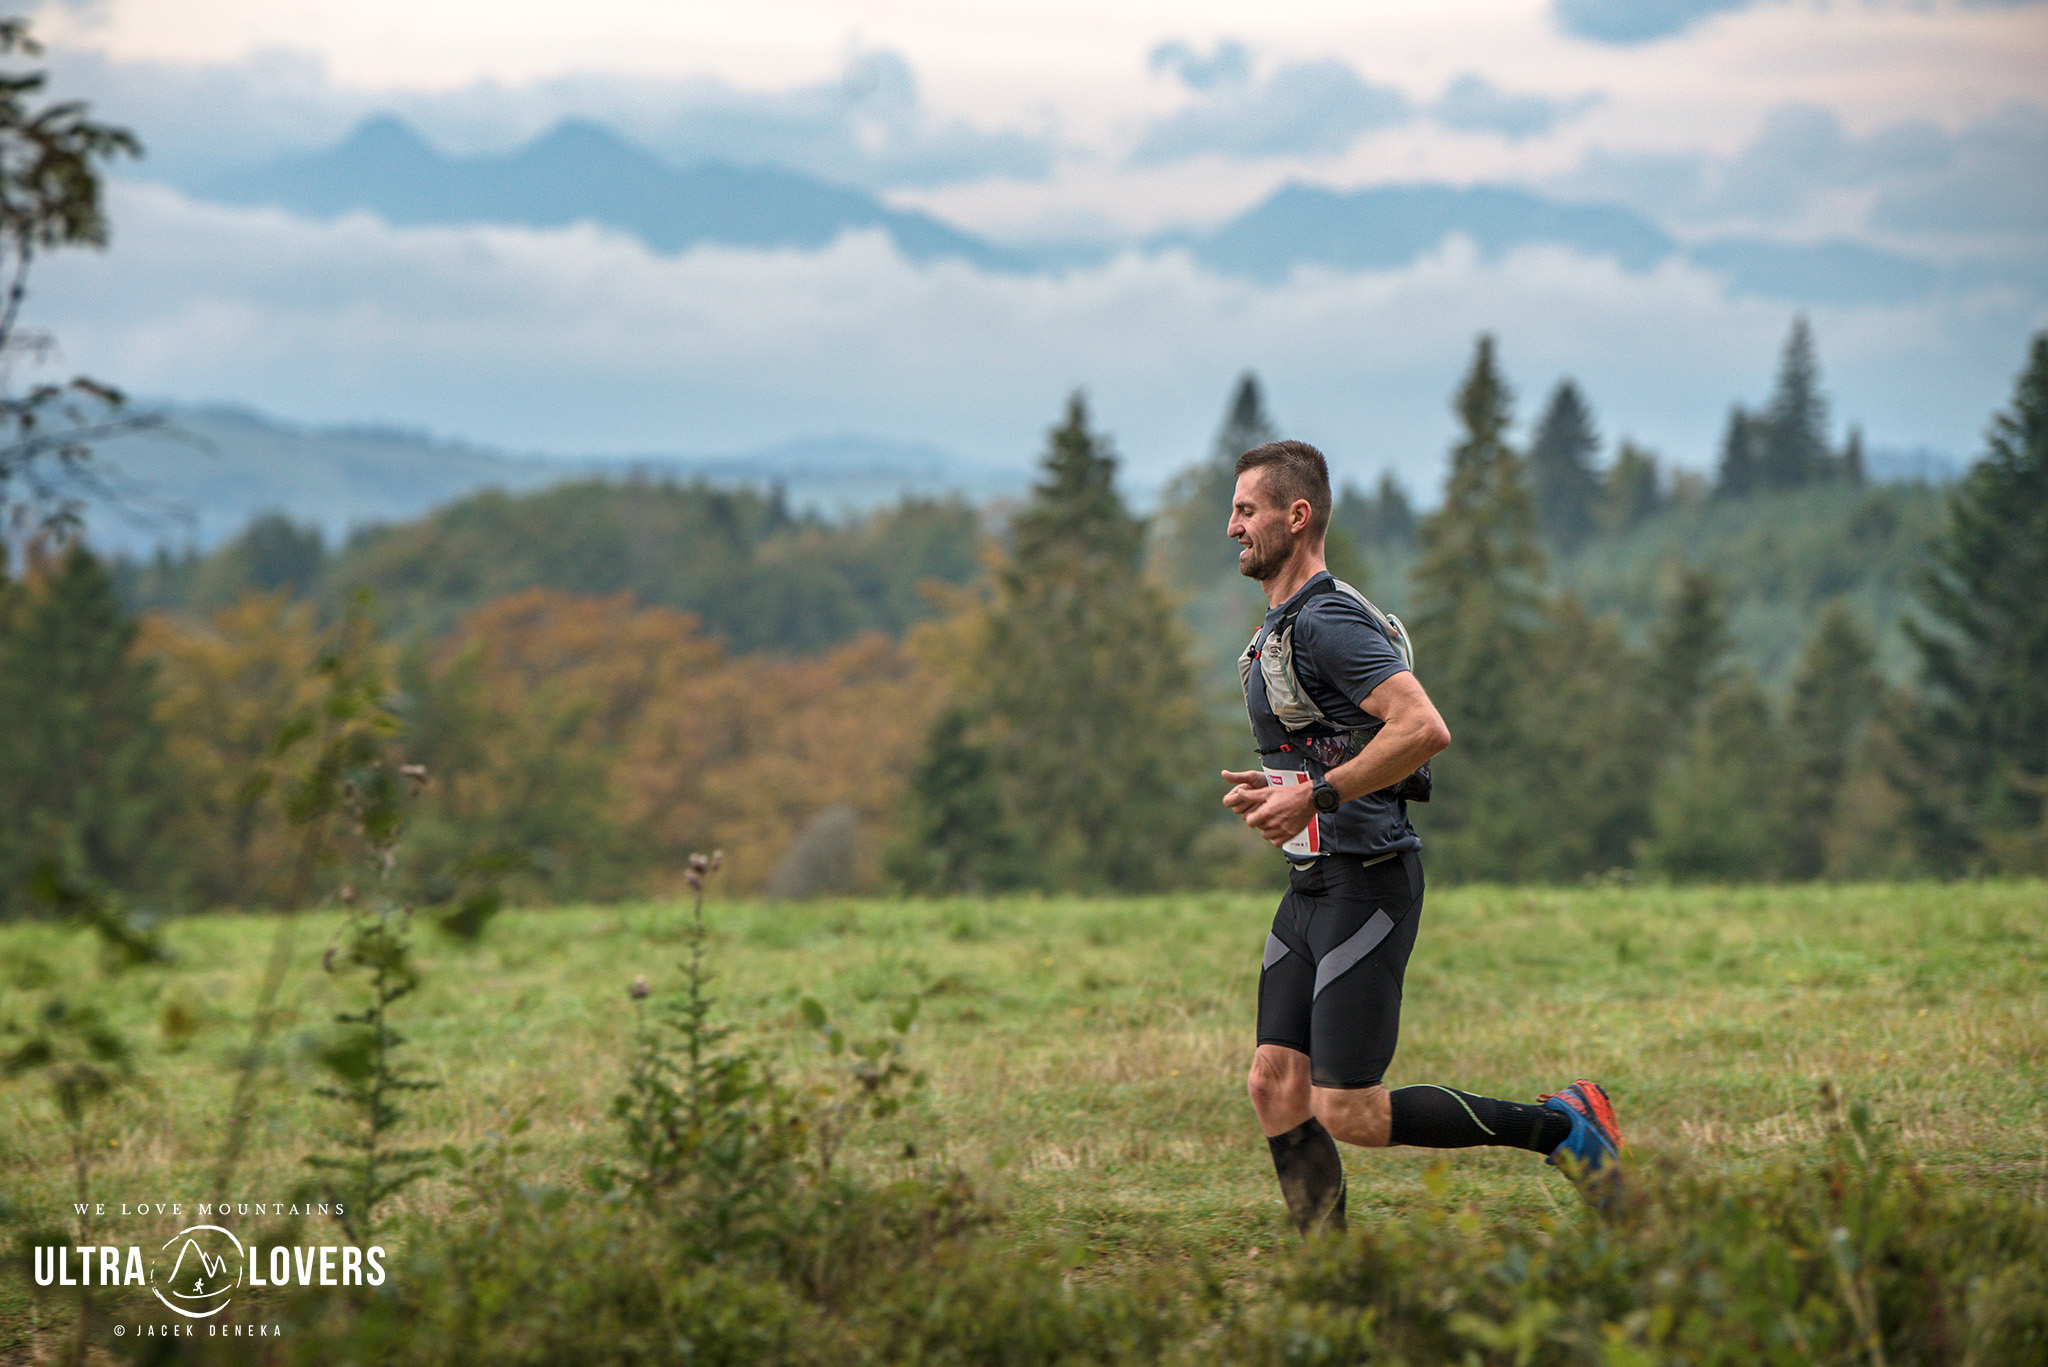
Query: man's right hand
[1243, 786]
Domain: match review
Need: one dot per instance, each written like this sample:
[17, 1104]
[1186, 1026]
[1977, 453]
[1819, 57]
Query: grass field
[1086, 1058]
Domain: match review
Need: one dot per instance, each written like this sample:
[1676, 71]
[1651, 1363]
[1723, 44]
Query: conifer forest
[1787, 672]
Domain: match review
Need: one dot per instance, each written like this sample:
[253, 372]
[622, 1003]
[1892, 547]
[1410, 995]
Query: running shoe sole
[1591, 1154]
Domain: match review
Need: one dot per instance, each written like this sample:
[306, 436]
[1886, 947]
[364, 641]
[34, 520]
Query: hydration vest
[1302, 725]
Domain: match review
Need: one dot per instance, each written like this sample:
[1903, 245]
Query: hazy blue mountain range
[581, 171]
[1387, 226]
[584, 172]
[200, 481]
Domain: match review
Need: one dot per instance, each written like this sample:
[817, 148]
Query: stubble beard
[1260, 562]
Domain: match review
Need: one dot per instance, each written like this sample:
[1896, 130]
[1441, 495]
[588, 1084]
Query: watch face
[1326, 798]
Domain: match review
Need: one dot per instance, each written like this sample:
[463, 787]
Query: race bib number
[1310, 840]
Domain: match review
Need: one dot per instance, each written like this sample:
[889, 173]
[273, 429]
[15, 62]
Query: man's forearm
[1396, 751]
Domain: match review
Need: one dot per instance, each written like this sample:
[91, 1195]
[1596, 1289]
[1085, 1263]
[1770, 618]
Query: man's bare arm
[1413, 733]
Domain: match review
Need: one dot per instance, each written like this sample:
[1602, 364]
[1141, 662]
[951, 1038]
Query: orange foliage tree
[615, 739]
[226, 687]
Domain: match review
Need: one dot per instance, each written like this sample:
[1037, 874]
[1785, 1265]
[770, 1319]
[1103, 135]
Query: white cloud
[867, 125]
[1979, 190]
[1318, 106]
[575, 341]
[1474, 104]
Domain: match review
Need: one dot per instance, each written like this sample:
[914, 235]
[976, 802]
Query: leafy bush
[1856, 1259]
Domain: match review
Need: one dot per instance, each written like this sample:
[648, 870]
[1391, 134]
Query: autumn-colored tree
[521, 715]
[604, 741]
[781, 760]
[228, 686]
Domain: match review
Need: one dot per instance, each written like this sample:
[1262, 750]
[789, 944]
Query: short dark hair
[1299, 471]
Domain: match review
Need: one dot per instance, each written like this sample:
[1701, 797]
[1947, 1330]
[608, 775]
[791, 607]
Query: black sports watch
[1325, 797]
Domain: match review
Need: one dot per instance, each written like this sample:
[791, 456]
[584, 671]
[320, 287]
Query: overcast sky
[1911, 128]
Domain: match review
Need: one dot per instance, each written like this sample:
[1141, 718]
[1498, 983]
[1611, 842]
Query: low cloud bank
[579, 341]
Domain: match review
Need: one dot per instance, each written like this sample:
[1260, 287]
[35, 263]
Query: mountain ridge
[583, 171]
[210, 470]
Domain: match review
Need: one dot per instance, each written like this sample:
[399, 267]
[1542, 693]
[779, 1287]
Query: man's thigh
[1335, 964]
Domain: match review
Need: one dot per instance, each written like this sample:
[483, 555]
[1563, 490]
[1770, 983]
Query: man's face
[1259, 523]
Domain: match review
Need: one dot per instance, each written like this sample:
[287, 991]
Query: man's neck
[1302, 566]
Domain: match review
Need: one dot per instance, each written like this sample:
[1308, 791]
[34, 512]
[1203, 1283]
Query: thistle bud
[638, 990]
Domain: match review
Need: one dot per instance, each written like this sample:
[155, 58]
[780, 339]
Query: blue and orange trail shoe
[1591, 1154]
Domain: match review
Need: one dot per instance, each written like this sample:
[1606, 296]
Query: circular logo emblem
[197, 1270]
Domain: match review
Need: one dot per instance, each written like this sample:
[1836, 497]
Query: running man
[1342, 727]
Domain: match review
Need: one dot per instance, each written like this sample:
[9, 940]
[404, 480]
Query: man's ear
[1299, 515]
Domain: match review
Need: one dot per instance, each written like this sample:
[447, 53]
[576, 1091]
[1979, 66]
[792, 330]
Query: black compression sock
[1439, 1118]
[1311, 1175]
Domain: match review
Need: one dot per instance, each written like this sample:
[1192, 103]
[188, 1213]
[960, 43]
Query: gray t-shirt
[1340, 657]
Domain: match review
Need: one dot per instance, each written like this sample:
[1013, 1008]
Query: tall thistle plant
[715, 1141]
[706, 1126]
[367, 1073]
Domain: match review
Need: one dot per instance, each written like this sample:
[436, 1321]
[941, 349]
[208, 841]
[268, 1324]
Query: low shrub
[1854, 1259]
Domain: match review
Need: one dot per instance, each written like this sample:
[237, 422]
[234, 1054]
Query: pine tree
[1395, 515]
[1561, 468]
[1079, 724]
[1794, 450]
[1835, 695]
[1984, 656]
[81, 774]
[1477, 622]
[1386, 519]
[1631, 490]
[1740, 474]
[1719, 812]
[1688, 647]
[1479, 550]
[1851, 460]
[1197, 503]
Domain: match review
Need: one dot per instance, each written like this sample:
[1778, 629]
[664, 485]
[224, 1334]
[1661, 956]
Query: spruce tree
[1561, 469]
[1720, 810]
[1197, 503]
[1688, 647]
[1078, 727]
[1394, 515]
[1477, 626]
[1836, 692]
[1984, 654]
[1386, 519]
[1479, 551]
[81, 776]
[1740, 473]
[1631, 490]
[1794, 450]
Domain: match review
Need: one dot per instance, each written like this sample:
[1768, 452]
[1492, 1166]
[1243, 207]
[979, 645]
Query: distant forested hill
[1780, 557]
[765, 577]
[759, 575]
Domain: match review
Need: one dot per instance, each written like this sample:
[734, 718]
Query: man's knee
[1278, 1080]
[1362, 1115]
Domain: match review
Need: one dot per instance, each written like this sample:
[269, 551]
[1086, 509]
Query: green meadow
[1085, 1058]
